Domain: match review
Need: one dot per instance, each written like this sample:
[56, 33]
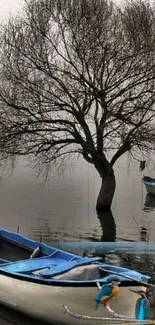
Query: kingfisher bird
[142, 308]
[109, 290]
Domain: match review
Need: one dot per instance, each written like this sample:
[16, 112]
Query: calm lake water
[64, 208]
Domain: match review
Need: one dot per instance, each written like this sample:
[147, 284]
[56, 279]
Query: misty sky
[9, 6]
[13, 6]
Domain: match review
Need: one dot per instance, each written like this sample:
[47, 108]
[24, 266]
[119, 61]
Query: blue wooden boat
[38, 280]
[149, 183]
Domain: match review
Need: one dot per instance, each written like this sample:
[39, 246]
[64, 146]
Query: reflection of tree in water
[143, 234]
[44, 229]
[108, 225]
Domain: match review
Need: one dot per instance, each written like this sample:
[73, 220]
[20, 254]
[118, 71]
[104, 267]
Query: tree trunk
[108, 225]
[107, 191]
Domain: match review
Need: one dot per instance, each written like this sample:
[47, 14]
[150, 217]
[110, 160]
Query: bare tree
[78, 77]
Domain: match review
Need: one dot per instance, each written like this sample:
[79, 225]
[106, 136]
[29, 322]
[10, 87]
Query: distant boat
[38, 280]
[149, 183]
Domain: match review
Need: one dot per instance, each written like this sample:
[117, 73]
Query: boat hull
[150, 189]
[45, 302]
[149, 184]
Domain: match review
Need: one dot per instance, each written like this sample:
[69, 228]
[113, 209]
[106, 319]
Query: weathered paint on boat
[46, 302]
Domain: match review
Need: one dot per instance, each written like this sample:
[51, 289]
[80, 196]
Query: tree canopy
[78, 77]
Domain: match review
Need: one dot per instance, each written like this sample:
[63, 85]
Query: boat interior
[20, 255]
[39, 263]
[12, 251]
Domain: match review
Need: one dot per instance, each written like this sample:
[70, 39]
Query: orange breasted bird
[109, 290]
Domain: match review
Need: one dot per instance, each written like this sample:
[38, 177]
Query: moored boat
[38, 280]
[149, 183]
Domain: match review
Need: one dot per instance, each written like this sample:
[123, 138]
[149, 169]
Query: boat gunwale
[16, 244]
[31, 244]
[70, 283]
